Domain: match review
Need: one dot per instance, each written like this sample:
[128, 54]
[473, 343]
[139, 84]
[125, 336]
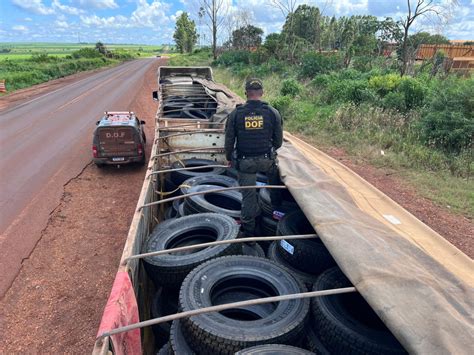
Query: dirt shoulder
[56, 302]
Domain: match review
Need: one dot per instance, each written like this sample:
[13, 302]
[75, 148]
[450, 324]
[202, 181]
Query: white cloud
[118, 21]
[150, 15]
[176, 15]
[65, 8]
[96, 4]
[35, 6]
[145, 15]
[28, 19]
[61, 24]
[20, 28]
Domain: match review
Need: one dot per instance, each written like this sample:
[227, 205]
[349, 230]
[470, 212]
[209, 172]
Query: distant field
[15, 51]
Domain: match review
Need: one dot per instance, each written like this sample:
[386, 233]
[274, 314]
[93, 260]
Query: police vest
[254, 124]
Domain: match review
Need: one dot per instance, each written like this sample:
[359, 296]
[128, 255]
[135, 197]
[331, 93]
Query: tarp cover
[420, 285]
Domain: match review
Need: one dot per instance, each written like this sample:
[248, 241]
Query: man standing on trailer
[254, 132]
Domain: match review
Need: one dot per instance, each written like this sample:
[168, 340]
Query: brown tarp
[420, 285]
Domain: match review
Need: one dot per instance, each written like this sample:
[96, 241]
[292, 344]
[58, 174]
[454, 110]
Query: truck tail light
[94, 151]
[140, 149]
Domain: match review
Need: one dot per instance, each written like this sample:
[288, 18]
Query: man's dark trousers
[247, 176]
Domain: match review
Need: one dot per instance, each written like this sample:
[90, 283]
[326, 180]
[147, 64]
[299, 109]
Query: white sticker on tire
[287, 246]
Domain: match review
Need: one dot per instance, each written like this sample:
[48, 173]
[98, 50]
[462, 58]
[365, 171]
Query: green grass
[20, 51]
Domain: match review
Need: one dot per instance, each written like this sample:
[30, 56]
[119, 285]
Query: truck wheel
[179, 176]
[274, 255]
[232, 330]
[346, 323]
[273, 349]
[171, 269]
[223, 202]
[209, 179]
[308, 255]
[178, 342]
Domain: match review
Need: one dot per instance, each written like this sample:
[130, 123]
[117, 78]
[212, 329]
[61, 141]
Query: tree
[438, 9]
[426, 38]
[101, 48]
[215, 13]
[247, 37]
[185, 34]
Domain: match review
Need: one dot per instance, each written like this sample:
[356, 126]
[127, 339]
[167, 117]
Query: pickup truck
[119, 138]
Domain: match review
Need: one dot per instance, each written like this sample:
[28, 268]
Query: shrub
[362, 63]
[281, 103]
[230, 58]
[290, 87]
[316, 63]
[355, 91]
[322, 80]
[259, 57]
[412, 92]
[448, 120]
[383, 84]
[394, 101]
[86, 53]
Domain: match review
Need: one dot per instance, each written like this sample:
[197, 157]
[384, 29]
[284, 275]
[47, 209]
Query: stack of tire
[191, 106]
[191, 279]
[306, 258]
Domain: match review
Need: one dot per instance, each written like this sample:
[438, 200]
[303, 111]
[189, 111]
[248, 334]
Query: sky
[153, 21]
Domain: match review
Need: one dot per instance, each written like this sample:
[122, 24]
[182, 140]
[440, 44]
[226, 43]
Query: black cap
[253, 84]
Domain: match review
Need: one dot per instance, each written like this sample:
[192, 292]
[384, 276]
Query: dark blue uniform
[254, 131]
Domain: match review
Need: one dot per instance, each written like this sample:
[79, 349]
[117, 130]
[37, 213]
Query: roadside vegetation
[23, 66]
[344, 88]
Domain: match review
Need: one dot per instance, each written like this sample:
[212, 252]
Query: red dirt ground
[56, 302]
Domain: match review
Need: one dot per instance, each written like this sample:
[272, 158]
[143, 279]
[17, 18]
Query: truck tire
[346, 323]
[179, 176]
[274, 255]
[163, 304]
[170, 213]
[308, 255]
[171, 269]
[313, 343]
[164, 350]
[224, 202]
[233, 330]
[195, 113]
[253, 250]
[273, 349]
[208, 179]
[288, 204]
[178, 342]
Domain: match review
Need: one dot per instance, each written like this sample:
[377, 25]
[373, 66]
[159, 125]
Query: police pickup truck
[119, 138]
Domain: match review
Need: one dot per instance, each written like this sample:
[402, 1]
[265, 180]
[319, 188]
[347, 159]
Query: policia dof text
[253, 133]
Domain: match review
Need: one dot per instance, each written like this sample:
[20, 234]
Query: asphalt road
[44, 143]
